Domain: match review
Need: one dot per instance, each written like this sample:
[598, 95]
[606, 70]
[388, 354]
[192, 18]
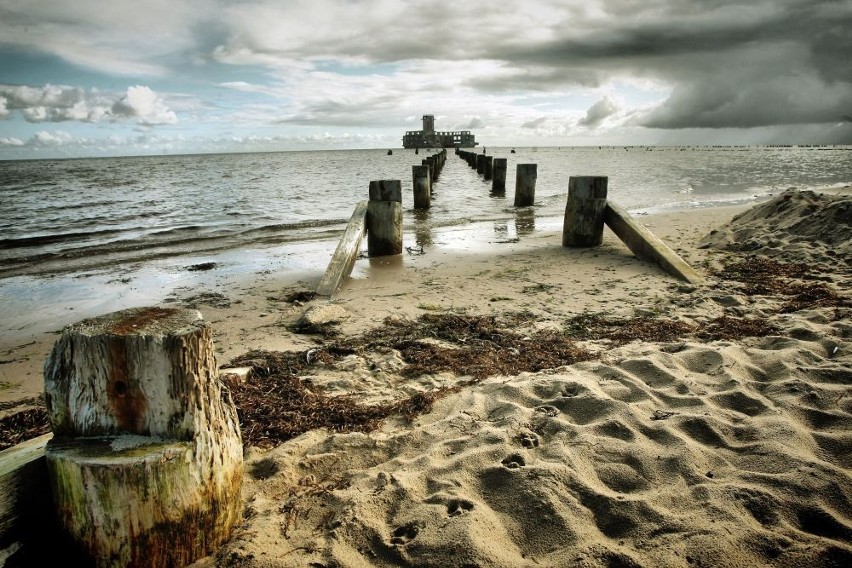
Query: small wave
[41, 240]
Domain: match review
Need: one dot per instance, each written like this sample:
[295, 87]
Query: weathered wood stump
[487, 168]
[422, 187]
[498, 175]
[480, 164]
[146, 462]
[584, 211]
[384, 218]
[525, 177]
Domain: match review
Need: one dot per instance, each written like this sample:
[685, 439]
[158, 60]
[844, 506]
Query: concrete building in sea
[428, 138]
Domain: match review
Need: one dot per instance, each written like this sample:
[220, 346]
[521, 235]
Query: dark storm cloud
[733, 64]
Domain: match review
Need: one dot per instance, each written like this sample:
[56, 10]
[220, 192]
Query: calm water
[59, 216]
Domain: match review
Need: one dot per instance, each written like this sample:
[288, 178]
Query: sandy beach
[689, 425]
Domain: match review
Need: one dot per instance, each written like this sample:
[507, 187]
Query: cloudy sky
[126, 77]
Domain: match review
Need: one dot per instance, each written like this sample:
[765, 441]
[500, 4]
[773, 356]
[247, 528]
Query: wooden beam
[347, 250]
[26, 509]
[646, 246]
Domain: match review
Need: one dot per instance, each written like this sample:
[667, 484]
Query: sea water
[59, 215]
[68, 228]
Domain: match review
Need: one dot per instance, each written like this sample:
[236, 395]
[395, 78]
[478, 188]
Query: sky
[132, 77]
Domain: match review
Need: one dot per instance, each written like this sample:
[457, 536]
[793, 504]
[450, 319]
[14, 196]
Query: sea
[70, 227]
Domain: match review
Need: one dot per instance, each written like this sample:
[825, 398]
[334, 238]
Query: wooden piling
[346, 252]
[384, 218]
[498, 175]
[431, 167]
[138, 412]
[480, 164]
[422, 187]
[584, 211]
[27, 517]
[487, 168]
[525, 177]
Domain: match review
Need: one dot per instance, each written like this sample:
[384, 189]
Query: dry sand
[686, 453]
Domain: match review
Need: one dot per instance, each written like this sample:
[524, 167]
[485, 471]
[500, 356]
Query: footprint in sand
[528, 440]
[547, 410]
[406, 533]
[514, 461]
[458, 507]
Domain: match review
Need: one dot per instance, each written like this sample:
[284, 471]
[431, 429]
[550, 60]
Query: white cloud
[55, 138]
[598, 112]
[145, 106]
[57, 103]
[11, 142]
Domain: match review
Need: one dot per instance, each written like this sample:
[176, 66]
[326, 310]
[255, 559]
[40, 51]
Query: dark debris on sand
[22, 426]
[762, 276]
[277, 405]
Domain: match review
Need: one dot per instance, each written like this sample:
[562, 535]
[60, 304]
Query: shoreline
[236, 294]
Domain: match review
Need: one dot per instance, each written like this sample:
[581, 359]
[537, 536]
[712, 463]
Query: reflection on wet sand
[422, 227]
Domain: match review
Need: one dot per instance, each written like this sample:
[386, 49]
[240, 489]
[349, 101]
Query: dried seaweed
[22, 426]
[727, 327]
[624, 330]
[761, 276]
[278, 405]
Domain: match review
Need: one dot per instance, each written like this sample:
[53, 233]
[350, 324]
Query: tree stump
[146, 461]
[584, 211]
[384, 218]
[525, 176]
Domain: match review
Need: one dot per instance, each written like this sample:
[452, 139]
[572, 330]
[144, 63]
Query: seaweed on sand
[21, 426]
[279, 405]
[624, 330]
[761, 276]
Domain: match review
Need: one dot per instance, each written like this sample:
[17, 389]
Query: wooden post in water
[146, 462]
[384, 218]
[487, 168]
[422, 187]
[525, 177]
[584, 211]
[480, 160]
[498, 179]
[431, 167]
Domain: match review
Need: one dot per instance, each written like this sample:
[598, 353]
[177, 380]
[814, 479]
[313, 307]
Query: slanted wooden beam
[646, 246]
[347, 251]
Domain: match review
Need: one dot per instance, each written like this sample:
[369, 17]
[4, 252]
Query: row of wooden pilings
[494, 170]
[424, 176]
[586, 212]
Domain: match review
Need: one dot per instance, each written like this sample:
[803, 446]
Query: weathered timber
[525, 177]
[584, 211]
[138, 411]
[26, 509]
[646, 246]
[384, 218]
[346, 252]
[422, 187]
[498, 177]
[487, 168]
[431, 166]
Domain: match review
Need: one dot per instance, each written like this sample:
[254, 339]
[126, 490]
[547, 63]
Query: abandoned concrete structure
[428, 138]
